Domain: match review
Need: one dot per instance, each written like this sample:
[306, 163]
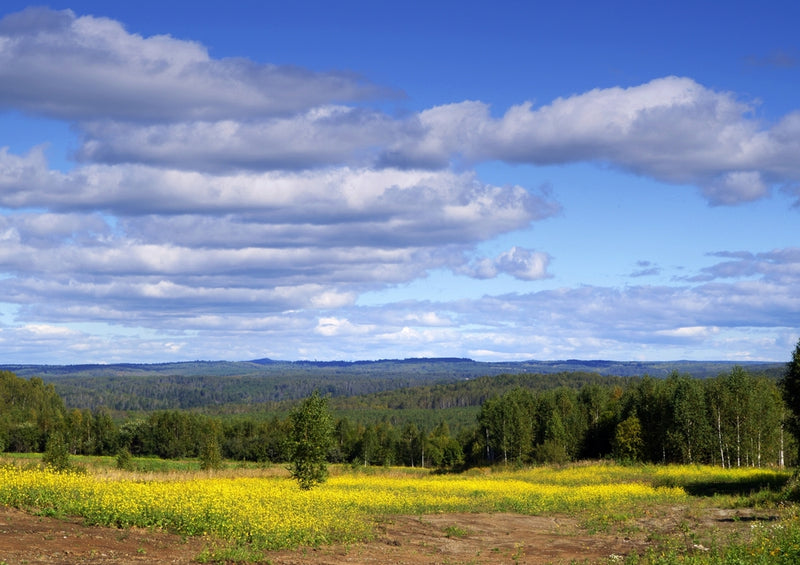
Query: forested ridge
[211, 384]
[450, 419]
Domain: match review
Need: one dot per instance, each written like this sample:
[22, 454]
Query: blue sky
[359, 180]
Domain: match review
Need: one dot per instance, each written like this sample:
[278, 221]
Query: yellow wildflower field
[272, 512]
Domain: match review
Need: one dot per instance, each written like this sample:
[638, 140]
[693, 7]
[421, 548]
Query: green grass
[102, 463]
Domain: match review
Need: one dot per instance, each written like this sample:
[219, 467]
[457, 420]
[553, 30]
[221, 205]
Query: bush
[551, 451]
[210, 455]
[124, 459]
[56, 454]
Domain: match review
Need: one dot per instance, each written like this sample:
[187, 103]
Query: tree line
[734, 419]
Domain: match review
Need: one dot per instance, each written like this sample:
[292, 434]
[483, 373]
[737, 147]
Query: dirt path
[471, 538]
[417, 540]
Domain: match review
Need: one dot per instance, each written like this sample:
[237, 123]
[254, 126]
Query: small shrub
[56, 454]
[552, 452]
[210, 455]
[124, 459]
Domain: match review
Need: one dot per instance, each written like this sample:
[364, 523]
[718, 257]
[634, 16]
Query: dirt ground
[417, 540]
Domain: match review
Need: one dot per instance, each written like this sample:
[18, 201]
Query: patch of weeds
[605, 523]
[231, 554]
[660, 543]
[689, 535]
[49, 512]
[455, 531]
[519, 552]
[791, 491]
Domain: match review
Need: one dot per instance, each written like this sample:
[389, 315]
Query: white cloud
[691, 332]
[671, 129]
[164, 101]
[46, 331]
[442, 199]
[710, 321]
[520, 263]
[736, 187]
[150, 238]
[779, 266]
[428, 319]
[333, 326]
[325, 135]
[60, 65]
[524, 264]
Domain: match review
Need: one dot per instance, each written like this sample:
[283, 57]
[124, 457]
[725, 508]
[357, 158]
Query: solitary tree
[790, 385]
[311, 437]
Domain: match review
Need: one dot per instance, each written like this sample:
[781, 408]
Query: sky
[363, 180]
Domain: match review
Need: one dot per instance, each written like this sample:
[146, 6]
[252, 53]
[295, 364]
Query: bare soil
[419, 540]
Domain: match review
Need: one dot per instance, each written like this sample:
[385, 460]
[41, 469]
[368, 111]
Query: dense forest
[736, 418]
[225, 386]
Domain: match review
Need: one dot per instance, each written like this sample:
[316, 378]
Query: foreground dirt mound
[417, 540]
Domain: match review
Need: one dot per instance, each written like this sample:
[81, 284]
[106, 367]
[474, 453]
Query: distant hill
[436, 367]
[199, 384]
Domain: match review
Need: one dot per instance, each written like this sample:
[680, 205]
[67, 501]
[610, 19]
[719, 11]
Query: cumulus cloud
[645, 269]
[588, 321]
[520, 263]
[61, 65]
[337, 226]
[324, 135]
[736, 187]
[141, 237]
[42, 230]
[671, 129]
[164, 101]
[778, 265]
[333, 326]
[443, 198]
[692, 332]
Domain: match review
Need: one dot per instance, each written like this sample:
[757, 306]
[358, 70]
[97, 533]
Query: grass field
[250, 510]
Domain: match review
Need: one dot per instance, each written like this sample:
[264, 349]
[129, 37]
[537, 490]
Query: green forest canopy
[735, 417]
